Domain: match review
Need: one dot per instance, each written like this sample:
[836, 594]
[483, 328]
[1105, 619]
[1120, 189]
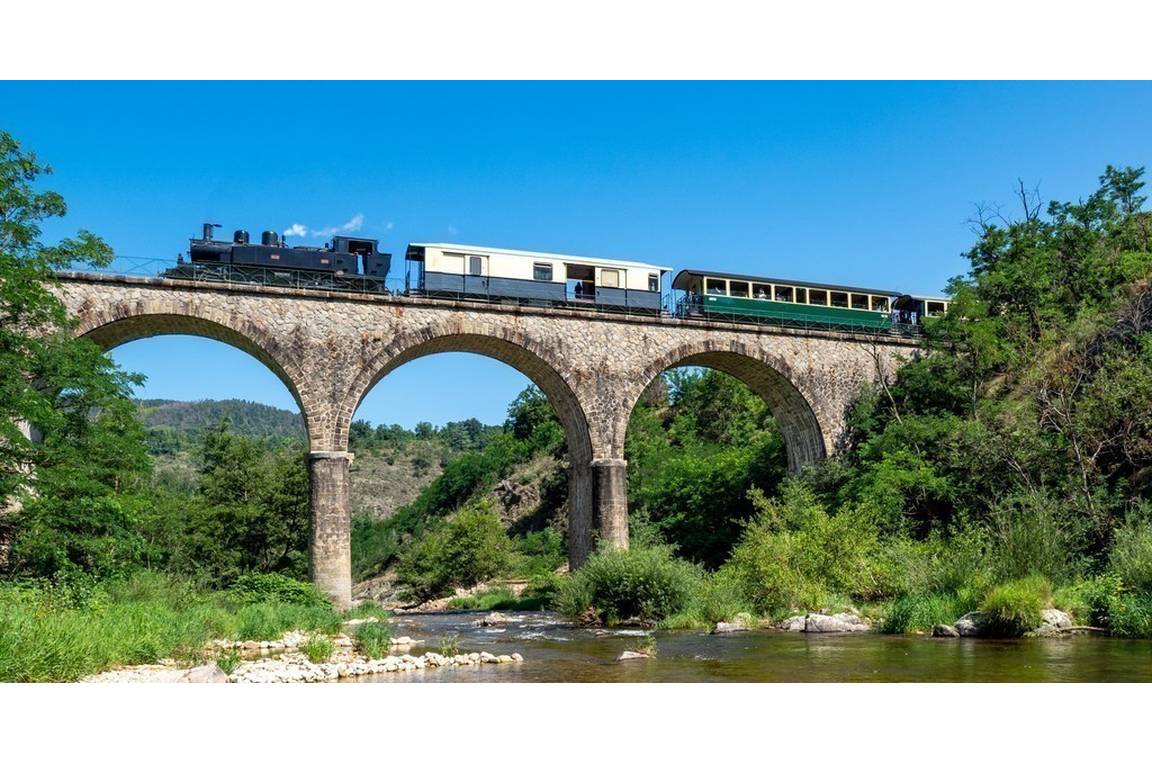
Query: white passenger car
[460, 270]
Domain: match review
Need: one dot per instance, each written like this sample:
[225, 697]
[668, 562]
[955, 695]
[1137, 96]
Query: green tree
[79, 480]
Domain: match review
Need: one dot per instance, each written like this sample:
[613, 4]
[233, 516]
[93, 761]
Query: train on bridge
[464, 272]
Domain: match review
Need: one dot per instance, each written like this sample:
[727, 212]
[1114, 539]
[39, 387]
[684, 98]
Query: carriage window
[454, 264]
[738, 288]
[609, 277]
[783, 294]
[715, 286]
[801, 295]
[879, 303]
[762, 291]
[653, 282]
[860, 301]
[475, 265]
[817, 297]
[839, 299]
[542, 271]
[935, 308]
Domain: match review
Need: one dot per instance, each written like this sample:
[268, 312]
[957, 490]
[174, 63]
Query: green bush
[1088, 600]
[275, 587]
[1032, 535]
[317, 649]
[374, 639]
[614, 585]
[1130, 614]
[795, 555]
[463, 550]
[1014, 607]
[1131, 557]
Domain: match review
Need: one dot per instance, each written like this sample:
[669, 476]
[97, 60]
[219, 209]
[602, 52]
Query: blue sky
[853, 183]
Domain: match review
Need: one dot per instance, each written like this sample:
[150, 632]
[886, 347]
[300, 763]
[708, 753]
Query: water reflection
[557, 652]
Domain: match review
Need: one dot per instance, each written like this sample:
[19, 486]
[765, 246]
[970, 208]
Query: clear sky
[868, 184]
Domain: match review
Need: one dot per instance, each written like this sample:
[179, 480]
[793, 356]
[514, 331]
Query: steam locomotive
[345, 263]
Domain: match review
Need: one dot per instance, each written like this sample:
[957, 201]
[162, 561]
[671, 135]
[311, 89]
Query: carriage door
[476, 280]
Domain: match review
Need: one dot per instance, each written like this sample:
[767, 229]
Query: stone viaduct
[331, 348]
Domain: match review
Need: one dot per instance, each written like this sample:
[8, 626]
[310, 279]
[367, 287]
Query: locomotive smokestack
[208, 230]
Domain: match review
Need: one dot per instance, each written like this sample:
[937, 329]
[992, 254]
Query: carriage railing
[679, 306]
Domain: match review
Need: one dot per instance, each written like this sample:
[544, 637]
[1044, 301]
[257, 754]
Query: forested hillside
[175, 425]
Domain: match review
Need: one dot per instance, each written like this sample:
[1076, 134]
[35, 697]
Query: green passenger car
[729, 296]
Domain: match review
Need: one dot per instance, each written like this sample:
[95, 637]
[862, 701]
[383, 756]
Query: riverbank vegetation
[1006, 469]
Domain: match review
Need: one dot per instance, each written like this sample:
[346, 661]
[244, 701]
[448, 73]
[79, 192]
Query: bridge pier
[610, 485]
[331, 527]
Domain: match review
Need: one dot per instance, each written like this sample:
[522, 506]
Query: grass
[449, 645]
[317, 649]
[229, 661]
[914, 613]
[62, 633]
[373, 639]
[1014, 607]
[500, 598]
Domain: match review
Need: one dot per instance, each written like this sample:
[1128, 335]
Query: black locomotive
[345, 263]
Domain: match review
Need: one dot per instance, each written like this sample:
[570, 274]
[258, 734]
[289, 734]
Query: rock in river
[944, 630]
[819, 623]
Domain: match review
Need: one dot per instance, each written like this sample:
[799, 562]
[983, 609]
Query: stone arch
[534, 359]
[789, 394]
[122, 323]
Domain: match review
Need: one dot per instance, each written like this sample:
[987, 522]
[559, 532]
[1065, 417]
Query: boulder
[831, 624]
[944, 630]
[632, 655]
[1056, 618]
[491, 619]
[727, 627]
[972, 624]
[820, 623]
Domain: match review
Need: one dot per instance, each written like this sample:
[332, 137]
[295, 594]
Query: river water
[556, 652]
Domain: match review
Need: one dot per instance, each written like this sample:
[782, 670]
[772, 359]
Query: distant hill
[180, 421]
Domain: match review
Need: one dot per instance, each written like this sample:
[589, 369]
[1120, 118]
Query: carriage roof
[473, 249]
[683, 281]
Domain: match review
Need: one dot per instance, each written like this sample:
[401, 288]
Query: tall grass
[1014, 607]
[54, 634]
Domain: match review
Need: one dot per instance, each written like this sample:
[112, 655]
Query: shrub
[275, 587]
[645, 584]
[1131, 556]
[795, 555]
[317, 649]
[374, 639]
[463, 550]
[1088, 600]
[1032, 535]
[1130, 614]
[1013, 608]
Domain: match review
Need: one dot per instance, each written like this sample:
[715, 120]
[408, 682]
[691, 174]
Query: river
[556, 652]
